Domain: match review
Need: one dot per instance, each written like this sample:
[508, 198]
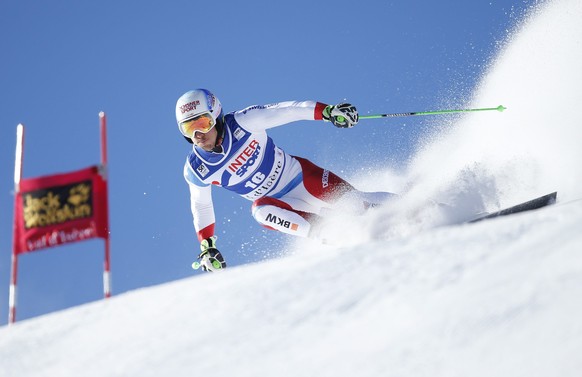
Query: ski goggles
[201, 123]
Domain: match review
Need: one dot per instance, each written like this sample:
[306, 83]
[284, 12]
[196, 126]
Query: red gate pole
[104, 167]
[14, 268]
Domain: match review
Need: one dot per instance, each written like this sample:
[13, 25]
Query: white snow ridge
[501, 297]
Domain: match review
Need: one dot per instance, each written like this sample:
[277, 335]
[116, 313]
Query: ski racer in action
[289, 194]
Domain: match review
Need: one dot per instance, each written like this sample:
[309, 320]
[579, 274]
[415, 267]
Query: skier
[289, 194]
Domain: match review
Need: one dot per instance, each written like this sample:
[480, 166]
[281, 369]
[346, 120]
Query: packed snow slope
[409, 291]
[498, 298]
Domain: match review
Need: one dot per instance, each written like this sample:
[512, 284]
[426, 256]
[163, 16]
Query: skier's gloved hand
[343, 115]
[210, 258]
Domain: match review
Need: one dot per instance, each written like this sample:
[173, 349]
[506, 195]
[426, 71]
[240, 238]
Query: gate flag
[57, 209]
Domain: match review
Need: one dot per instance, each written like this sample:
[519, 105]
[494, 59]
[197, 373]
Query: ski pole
[498, 108]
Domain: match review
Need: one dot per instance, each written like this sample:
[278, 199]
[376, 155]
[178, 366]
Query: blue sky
[64, 61]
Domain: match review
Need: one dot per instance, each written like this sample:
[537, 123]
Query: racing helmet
[197, 103]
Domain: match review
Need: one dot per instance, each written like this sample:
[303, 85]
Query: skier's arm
[201, 205]
[260, 118]
[210, 258]
[202, 211]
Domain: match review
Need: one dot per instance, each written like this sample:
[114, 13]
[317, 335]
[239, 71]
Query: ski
[536, 203]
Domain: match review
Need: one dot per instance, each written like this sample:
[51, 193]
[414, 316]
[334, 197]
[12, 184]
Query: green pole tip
[501, 108]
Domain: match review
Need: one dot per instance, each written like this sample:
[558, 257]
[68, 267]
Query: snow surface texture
[497, 298]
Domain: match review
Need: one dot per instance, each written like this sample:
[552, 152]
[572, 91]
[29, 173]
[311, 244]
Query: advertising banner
[59, 209]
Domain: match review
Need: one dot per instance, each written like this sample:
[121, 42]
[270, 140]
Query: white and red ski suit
[288, 193]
